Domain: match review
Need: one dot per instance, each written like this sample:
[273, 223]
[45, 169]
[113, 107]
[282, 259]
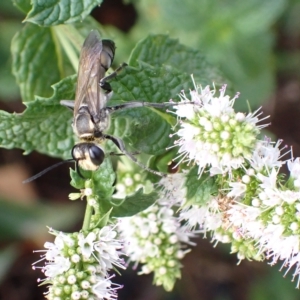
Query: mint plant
[222, 177]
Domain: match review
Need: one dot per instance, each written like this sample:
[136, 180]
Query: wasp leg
[78, 169]
[104, 81]
[68, 103]
[120, 144]
[121, 154]
[135, 104]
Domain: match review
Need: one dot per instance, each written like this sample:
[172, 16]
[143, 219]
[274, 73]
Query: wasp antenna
[47, 170]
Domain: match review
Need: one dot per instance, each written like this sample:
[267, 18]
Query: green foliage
[22, 5]
[158, 50]
[163, 162]
[102, 183]
[8, 88]
[44, 126]
[158, 62]
[199, 190]
[149, 128]
[53, 12]
[102, 180]
[235, 35]
[35, 62]
[133, 204]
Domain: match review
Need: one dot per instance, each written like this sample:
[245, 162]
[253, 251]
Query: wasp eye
[96, 155]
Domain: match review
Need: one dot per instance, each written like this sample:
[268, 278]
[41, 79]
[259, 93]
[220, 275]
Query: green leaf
[44, 126]
[133, 204]
[150, 129]
[200, 190]
[164, 162]
[9, 89]
[102, 180]
[76, 180]
[55, 12]
[104, 220]
[158, 50]
[159, 70]
[103, 187]
[35, 61]
[22, 5]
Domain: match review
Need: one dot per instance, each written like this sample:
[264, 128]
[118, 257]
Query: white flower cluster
[155, 237]
[254, 209]
[212, 134]
[272, 219]
[77, 265]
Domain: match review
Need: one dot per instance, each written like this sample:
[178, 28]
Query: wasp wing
[93, 64]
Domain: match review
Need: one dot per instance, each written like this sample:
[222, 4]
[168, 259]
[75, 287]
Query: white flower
[93, 253]
[207, 217]
[247, 219]
[212, 134]
[184, 235]
[155, 237]
[56, 263]
[173, 190]
[289, 197]
[276, 245]
[86, 243]
[268, 182]
[266, 155]
[294, 168]
[105, 289]
[194, 215]
[58, 266]
[185, 111]
[238, 189]
[108, 248]
[54, 249]
[217, 106]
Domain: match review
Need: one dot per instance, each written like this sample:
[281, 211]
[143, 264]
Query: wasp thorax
[88, 155]
[101, 120]
[83, 125]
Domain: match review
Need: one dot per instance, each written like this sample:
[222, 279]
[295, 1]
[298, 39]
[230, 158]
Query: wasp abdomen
[107, 54]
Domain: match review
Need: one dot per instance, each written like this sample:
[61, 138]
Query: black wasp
[91, 115]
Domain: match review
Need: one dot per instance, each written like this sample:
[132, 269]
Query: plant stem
[87, 217]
